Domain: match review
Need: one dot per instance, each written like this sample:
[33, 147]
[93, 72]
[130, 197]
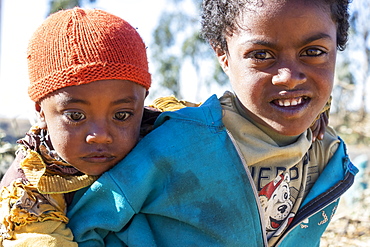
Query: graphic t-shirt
[283, 168]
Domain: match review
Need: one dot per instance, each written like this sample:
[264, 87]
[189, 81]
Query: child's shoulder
[330, 141]
[325, 149]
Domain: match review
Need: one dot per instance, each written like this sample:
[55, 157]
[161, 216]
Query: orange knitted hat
[78, 46]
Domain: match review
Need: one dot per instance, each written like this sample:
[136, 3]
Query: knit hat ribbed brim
[78, 46]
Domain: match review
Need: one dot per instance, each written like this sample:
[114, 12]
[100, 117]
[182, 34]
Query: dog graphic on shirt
[276, 204]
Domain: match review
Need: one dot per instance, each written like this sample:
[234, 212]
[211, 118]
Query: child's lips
[291, 102]
[290, 107]
[98, 158]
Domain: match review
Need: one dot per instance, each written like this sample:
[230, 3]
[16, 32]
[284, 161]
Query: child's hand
[319, 126]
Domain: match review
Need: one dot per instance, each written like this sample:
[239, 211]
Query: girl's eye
[122, 115]
[313, 52]
[260, 55]
[75, 116]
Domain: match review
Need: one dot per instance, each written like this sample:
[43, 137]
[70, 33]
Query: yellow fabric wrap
[47, 182]
[22, 204]
[48, 233]
[38, 200]
[171, 103]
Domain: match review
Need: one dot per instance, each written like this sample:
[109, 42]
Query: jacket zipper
[251, 182]
[320, 202]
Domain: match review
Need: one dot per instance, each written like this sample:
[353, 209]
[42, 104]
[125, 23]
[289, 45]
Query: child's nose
[289, 77]
[99, 134]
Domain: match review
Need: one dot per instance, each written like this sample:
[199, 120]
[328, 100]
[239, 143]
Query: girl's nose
[289, 78]
[99, 134]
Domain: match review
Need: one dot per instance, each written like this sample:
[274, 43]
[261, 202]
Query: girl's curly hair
[219, 19]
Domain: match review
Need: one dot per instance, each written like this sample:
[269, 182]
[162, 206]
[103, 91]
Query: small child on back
[241, 169]
[89, 77]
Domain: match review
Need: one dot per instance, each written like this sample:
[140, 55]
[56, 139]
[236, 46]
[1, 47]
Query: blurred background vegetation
[177, 46]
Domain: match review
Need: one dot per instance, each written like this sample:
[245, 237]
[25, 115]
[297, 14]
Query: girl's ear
[222, 59]
[41, 117]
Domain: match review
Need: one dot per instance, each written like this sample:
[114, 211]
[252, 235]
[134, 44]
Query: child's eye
[75, 116]
[313, 52]
[122, 115]
[260, 55]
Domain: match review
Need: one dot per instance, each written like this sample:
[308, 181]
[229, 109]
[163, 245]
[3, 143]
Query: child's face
[93, 126]
[281, 63]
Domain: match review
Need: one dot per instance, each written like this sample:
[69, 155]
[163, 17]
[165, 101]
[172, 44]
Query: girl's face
[281, 62]
[95, 125]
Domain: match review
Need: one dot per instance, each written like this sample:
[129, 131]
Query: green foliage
[169, 68]
[350, 98]
[177, 40]
[7, 153]
[56, 5]
[354, 70]
[167, 62]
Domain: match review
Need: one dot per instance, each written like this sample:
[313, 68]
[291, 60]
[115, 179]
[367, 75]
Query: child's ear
[41, 117]
[222, 59]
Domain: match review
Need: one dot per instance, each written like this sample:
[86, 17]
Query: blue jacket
[184, 184]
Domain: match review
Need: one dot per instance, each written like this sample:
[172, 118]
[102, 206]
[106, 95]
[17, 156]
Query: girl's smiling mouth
[291, 101]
